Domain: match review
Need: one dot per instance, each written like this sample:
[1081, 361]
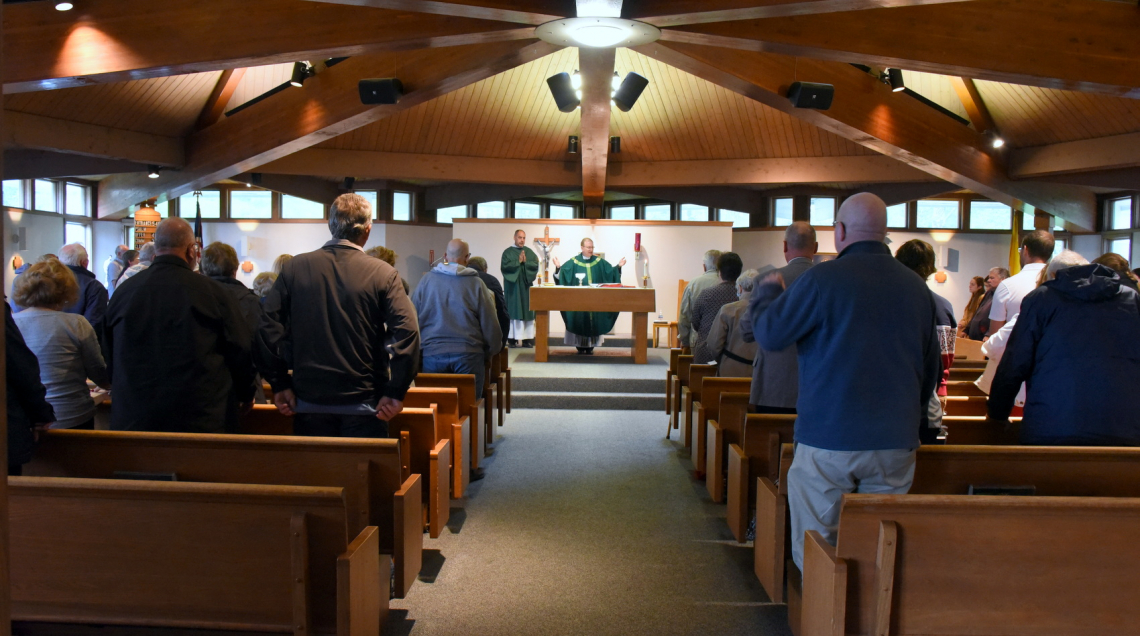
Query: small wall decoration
[940, 277]
[247, 267]
[17, 262]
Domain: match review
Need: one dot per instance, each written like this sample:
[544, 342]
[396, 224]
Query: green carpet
[587, 522]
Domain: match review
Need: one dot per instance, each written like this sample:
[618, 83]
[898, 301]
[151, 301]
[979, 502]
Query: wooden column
[5, 588]
[1042, 220]
[801, 207]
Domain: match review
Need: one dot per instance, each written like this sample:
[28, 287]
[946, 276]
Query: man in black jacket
[28, 408]
[479, 264]
[92, 302]
[176, 344]
[342, 314]
[220, 264]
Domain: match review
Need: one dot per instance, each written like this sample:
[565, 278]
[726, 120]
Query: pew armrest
[461, 456]
[824, 589]
[478, 434]
[737, 513]
[686, 416]
[362, 577]
[440, 503]
[771, 537]
[408, 545]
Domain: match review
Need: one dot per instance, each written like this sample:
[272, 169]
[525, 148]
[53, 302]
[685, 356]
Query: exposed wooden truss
[223, 91]
[597, 71]
[328, 105]
[682, 12]
[1105, 153]
[871, 115]
[22, 130]
[974, 104]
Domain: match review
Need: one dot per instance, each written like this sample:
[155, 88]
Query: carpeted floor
[587, 522]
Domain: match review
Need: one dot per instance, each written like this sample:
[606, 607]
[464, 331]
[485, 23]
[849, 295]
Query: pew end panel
[978, 431]
[362, 581]
[736, 513]
[824, 589]
[461, 448]
[714, 462]
[685, 415]
[409, 532]
[440, 499]
[770, 549]
[470, 404]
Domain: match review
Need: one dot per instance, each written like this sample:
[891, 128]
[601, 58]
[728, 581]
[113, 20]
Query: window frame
[961, 219]
[967, 213]
[1107, 212]
[773, 202]
[834, 211]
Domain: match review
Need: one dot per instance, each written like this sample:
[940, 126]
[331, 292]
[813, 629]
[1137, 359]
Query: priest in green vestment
[587, 329]
[519, 267]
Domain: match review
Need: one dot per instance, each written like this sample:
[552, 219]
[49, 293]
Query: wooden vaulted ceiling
[1058, 81]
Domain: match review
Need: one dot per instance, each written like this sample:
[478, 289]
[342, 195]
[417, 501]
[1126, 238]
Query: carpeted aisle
[587, 522]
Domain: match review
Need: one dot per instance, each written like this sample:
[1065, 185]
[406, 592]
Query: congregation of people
[852, 345]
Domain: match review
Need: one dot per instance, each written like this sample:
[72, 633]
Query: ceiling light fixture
[301, 72]
[153, 172]
[64, 6]
[615, 84]
[995, 139]
[894, 77]
[562, 89]
[597, 32]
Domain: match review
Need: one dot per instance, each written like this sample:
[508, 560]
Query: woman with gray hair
[1075, 348]
[734, 356]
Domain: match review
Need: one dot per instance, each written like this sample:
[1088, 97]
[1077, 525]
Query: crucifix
[546, 244]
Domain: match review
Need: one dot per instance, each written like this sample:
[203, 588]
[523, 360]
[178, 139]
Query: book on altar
[617, 285]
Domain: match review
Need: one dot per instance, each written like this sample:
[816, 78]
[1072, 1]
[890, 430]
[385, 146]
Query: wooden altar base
[638, 301]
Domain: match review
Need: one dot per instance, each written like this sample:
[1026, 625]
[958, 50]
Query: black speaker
[562, 90]
[380, 91]
[630, 89]
[811, 95]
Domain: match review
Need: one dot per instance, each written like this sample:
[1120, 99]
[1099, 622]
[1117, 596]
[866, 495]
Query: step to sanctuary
[597, 382]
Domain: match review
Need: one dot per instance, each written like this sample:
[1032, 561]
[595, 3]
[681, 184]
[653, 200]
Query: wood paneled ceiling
[1064, 73]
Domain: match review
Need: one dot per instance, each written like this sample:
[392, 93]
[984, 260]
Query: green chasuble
[597, 270]
[517, 279]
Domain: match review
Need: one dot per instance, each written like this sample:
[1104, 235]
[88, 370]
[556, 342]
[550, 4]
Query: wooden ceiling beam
[327, 106]
[366, 164]
[219, 97]
[22, 130]
[680, 12]
[1081, 45]
[20, 163]
[972, 101]
[597, 68]
[534, 12]
[311, 188]
[100, 42]
[868, 113]
[1085, 155]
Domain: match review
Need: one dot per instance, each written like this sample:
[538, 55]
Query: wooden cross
[546, 244]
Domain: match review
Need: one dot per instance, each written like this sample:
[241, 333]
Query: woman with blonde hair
[64, 343]
[279, 262]
[977, 292]
[389, 256]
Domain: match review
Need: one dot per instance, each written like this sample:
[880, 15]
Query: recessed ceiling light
[64, 6]
[153, 172]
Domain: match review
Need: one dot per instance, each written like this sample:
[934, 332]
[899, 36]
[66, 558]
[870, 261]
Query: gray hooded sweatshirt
[456, 312]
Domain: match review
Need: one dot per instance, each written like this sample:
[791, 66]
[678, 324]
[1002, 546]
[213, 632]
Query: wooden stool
[671, 329]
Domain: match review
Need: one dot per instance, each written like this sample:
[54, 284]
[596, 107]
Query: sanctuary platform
[608, 379]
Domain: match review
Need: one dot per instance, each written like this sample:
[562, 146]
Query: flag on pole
[198, 218]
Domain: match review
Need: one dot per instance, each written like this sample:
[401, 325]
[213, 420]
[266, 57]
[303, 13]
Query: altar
[639, 302]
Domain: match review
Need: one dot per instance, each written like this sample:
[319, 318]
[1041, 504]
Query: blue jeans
[334, 425]
[458, 363]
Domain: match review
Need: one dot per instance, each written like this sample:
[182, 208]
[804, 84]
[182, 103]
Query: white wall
[977, 254]
[674, 251]
[44, 235]
[267, 241]
[105, 236]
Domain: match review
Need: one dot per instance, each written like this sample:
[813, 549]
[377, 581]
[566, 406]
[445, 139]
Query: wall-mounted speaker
[630, 89]
[811, 95]
[562, 90]
[388, 90]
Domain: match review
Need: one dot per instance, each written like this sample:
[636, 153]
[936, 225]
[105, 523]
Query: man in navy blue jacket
[868, 363]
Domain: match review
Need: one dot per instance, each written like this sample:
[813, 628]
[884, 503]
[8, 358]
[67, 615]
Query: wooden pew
[670, 373]
[470, 403]
[964, 374]
[1054, 471]
[706, 408]
[690, 395]
[377, 490]
[1003, 566]
[727, 429]
[193, 555]
[680, 381]
[757, 455]
[498, 371]
[451, 425]
[505, 365]
[964, 388]
[974, 431]
[425, 453]
[966, 405]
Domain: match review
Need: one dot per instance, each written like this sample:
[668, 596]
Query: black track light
[153, 172]
[615, 145]
[562, 89]
[630, 89]
[301, 72]
[572, 147]
[895, 79]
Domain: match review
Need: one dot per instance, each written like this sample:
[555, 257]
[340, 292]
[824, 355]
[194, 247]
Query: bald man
[868, 355]
[177, 347]
[458, 324]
